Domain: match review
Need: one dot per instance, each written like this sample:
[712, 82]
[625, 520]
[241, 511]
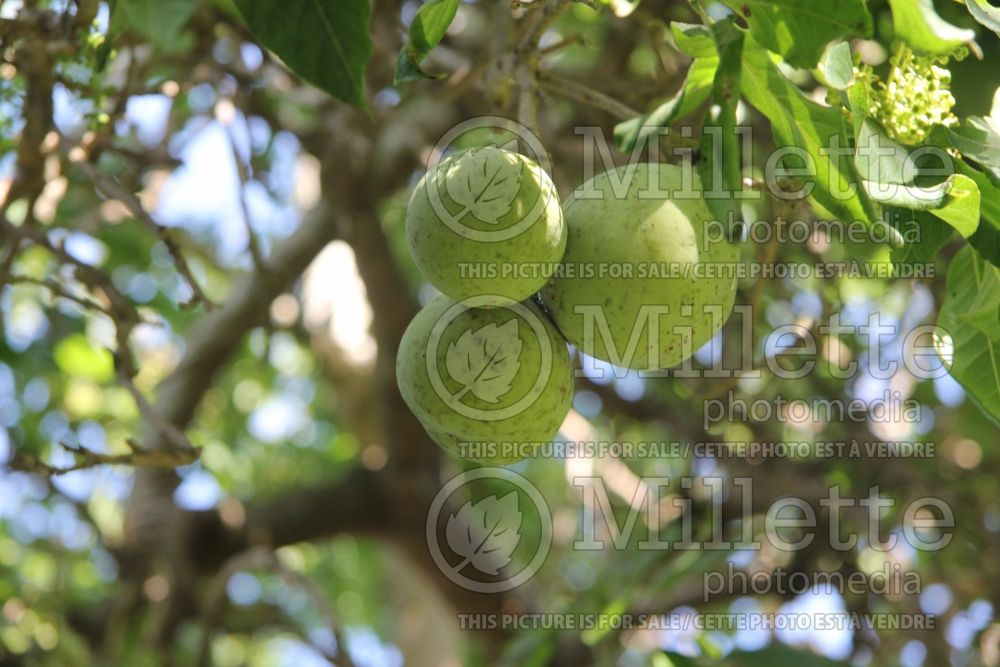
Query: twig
[125, 317]
[527, 101]
[537, 22]
[560, 45]
[526, 57]
[60, 291]
[180, 445]
[578, 92]
[243, 171]
[139, 458]
[121, 309]
[111, 188]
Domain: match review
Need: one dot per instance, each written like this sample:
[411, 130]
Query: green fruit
[632, 261]
[486, 222]
[485, 375]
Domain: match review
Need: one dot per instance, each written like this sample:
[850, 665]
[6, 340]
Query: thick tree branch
[217, 335]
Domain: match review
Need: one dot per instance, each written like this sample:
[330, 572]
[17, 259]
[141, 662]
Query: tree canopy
[205, 276]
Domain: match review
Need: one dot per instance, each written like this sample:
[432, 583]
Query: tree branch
[578, 92]
[111, 188]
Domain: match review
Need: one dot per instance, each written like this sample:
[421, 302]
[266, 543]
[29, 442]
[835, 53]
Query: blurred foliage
[274, 421]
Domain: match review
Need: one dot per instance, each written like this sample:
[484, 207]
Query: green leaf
[989, 188]
[696, 89]
[977, 141]
[800, 29]
[427, 29]
[76, 357]
[837, 66]
[159, 21]
[325, 42]
[989, 194]
[858, 99]
[969, 316]
[694, 39]
[955, 200]
[697, 42]
[924, 236]
[721, 169]
[798, 121]
[985, 13]
[907, 196]
[984, 310]
[961, 209]
[986, 240]
[879, 158]
[916, 22]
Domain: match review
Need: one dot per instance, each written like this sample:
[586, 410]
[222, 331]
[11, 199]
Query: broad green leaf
[693, 39]
[798, 121]
[697, 86]
[837, 66]
[971, 355]
[721, 168]
[907, 196]
[986, 242]
[955, 200]
[984, 310]
[986, 239]
[427, 29]
[697, 42]
[923, 234]
[696, 89]
[977, 140]
[961, 208]
[918, 24]
[76, 357]
[325, 42]
[159, 21]
[858, 98]
[879, 158]
[989, 194]
[985, 13]
[799, 30]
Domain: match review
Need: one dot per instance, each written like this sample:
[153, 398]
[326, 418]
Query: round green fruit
[496, 376]
[637, 269]
[486, 222]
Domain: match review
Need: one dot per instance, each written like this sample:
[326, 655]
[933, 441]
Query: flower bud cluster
[915, 97]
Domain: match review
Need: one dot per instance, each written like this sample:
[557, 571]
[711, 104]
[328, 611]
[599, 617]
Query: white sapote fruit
[490, 376]
[637, 269]
[486, 222]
